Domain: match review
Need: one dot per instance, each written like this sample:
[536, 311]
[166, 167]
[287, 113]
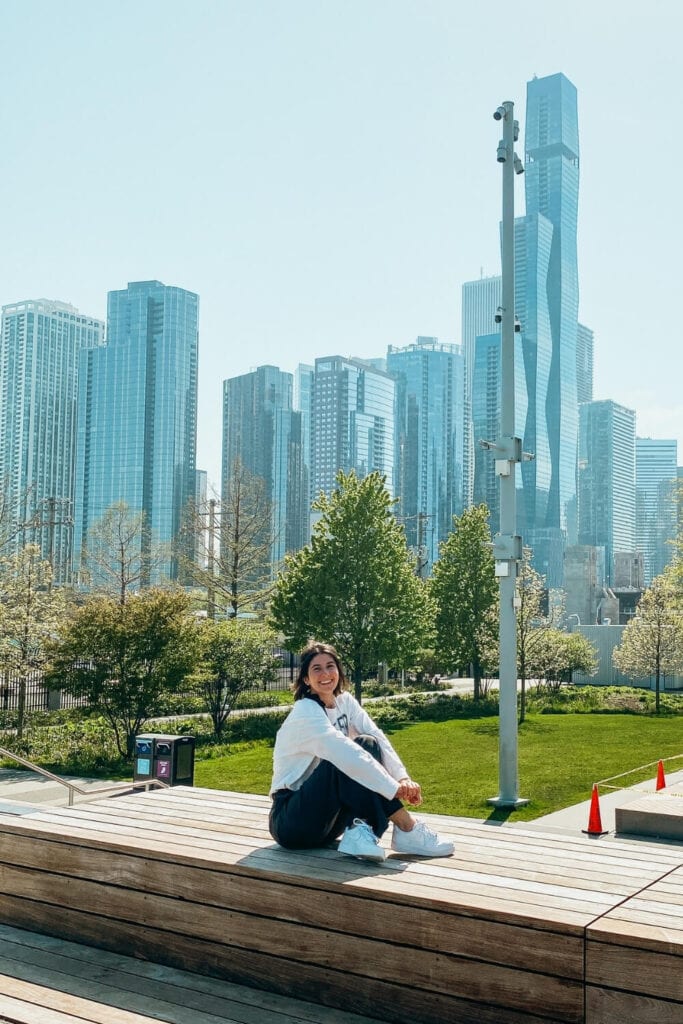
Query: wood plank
[606, 1006]
[454, 895]
[330, 987]
[495, 941]
[389, 962]
[635, 970]
[18, 944]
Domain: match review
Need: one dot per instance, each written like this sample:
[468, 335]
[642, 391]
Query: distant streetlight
[507, 545]
[573, 615]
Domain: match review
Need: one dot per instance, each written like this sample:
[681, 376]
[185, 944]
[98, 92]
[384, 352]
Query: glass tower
[547, 302]
[352, 422]
[486, 392]
[480, 300]
[607, 479]
[429, 442]
[265, 434]
[656, 510]
[137, 416]
[39, 345]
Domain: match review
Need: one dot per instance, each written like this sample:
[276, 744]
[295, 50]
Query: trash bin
[168, 758]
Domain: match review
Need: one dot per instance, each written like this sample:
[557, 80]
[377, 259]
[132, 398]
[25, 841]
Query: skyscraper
[39, 345]
[480, 300]
[584, 363]
[486, 394]
[429, 442]
[607, 479]
[656, 503]
[137, 416]
[546, 301]
[265, 434]
[352, 422]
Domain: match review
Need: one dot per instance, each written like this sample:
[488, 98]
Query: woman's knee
[370, 744]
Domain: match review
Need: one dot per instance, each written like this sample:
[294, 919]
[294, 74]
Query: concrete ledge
[654, 814]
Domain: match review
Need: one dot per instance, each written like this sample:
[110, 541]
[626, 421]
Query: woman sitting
[334, 772]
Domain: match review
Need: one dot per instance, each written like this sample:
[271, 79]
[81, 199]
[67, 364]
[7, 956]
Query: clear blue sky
[323, 173]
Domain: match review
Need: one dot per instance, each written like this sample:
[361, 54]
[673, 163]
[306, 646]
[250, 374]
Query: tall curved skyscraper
[547, 304]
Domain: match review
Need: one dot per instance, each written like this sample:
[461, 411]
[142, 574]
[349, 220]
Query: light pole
[507, 545]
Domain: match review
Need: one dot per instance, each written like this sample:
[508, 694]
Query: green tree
[355, 585]
[557, 654]
[465, 591]
[532, 624]
[652, 642]
[235, 656]
[30, 614]
[123, 657]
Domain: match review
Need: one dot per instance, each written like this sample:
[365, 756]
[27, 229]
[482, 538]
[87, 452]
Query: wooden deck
[519, 926]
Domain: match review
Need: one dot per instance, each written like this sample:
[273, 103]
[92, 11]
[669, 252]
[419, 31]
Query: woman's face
[323, 677]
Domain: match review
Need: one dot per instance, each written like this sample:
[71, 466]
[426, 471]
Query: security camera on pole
[507, 545]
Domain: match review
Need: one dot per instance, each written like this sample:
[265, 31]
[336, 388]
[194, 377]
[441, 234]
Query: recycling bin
[168, 758]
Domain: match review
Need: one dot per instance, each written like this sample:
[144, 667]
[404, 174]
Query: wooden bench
[190, 878]
[45, 980]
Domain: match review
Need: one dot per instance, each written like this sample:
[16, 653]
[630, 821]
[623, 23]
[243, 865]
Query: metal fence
[39, 698]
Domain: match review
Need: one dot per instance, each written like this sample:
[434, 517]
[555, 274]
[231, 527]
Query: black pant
[326, 804]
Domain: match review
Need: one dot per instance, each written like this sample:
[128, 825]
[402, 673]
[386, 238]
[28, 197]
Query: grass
[456, 762]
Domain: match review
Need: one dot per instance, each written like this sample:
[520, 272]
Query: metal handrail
[72, 787]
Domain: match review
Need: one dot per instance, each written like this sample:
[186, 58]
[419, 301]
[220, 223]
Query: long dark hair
[301, 687]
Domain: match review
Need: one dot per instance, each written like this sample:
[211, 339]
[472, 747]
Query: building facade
[352, 422]
[656, 503]
[430, 418]
[546, 302]
[486, 393]
[480, 301]
[137, 418]
[263, 432]
[40, 341]
[607, 479]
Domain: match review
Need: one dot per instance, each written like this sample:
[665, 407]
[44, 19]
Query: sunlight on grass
[456, 762]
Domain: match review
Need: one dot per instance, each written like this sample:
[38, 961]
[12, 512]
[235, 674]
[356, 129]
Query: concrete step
[658, 815]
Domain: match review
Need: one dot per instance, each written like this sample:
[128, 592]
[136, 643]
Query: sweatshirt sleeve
[362, 723]
[316, 735]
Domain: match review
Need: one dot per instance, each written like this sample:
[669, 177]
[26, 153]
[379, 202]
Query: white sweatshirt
[311, 734]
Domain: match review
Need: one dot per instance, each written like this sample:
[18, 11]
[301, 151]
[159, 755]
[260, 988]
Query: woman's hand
[409, 791]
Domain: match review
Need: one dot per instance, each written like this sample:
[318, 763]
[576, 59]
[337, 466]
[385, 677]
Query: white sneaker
[360, 841]
[421, 841]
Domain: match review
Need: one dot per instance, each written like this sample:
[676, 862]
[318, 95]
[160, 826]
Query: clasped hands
[409, 791]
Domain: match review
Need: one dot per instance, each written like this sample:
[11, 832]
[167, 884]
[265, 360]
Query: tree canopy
[465, 590]
[235, 656]
[123, 657]
[652, 642]
[354, 585]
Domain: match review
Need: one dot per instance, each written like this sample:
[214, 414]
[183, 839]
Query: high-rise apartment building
[303, 392]
[486, 393]
[480, 300]
[656, 502]
[429, 442]
[546, 302]
[137, 417]
[352, 422]
[607, 479]
[261, 430]
[584, 363]
[39, 345]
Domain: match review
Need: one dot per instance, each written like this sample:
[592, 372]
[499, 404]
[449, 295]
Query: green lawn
[560, 756]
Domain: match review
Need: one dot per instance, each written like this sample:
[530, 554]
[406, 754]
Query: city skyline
[322, 190]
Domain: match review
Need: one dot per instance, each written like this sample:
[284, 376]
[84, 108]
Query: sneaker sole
[365, 856]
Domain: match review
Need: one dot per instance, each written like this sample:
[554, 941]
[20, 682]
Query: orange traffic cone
[661, 781]
[594, 821]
